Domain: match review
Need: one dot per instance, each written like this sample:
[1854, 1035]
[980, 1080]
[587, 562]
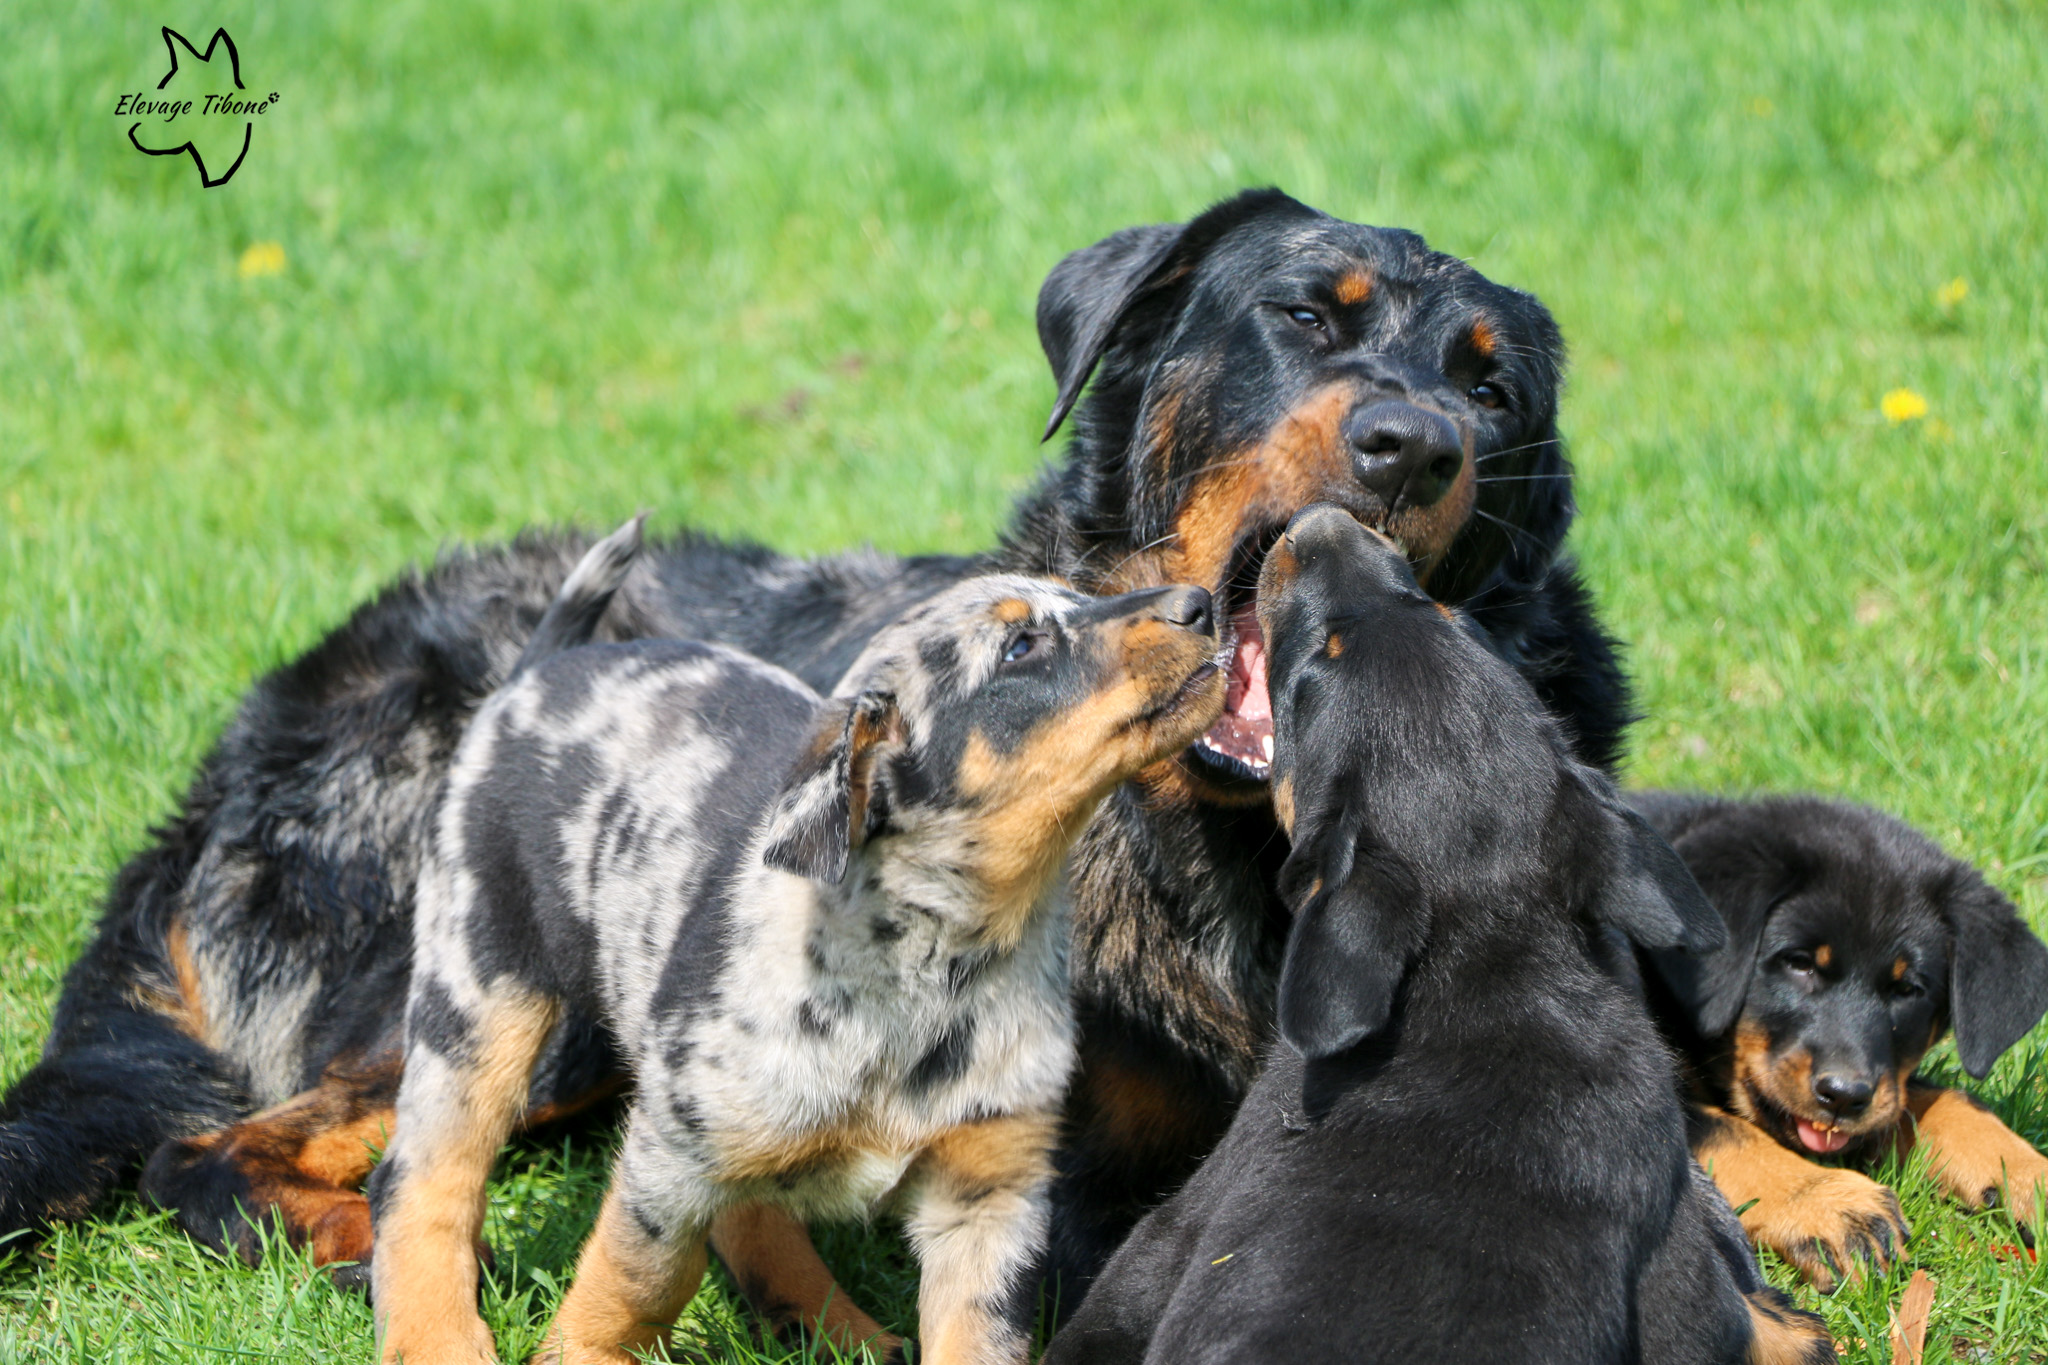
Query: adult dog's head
[1265, 356]
[1853, 944]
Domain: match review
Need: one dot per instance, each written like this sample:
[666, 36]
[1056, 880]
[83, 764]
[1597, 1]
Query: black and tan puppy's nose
[1190, 607]
[1405, 455]
[1843, 1096]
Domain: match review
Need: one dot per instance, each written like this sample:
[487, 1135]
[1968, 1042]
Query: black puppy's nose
[1842, 1096]
[1406, 455]
[1190, 607]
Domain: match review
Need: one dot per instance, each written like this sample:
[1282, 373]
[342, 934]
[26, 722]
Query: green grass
[774, 274]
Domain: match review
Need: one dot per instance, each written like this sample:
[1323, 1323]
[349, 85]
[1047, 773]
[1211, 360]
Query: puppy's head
[1418, 777]
[975, 735]
[1853, 942]
[1265, 356]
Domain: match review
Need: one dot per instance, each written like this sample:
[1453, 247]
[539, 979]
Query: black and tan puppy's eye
[1024, 645]
[1309, 318]
[1487, 395]
[1799, 962]
[1906, 989]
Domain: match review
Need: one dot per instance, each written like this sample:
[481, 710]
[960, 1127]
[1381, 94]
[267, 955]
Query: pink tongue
[1814, 1140]
[1246, 727]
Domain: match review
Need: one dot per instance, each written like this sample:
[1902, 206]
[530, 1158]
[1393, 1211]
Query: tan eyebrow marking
[1011, 610]
[1484, 340]
[1354, 286]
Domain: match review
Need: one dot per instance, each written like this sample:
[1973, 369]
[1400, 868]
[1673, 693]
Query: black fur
[294, 857]
[1470, 1146]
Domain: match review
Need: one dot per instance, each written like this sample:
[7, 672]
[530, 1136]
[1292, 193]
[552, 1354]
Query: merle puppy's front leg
[978, 1229]
[643, 1261]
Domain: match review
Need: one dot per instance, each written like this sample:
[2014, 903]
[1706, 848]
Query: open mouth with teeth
[1239, 746]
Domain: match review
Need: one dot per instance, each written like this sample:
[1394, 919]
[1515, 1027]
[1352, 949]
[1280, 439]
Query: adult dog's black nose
[1190, 607]
[1843, 1096]
[1406, 455]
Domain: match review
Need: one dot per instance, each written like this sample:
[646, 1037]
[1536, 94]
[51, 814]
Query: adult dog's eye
[1798, 961]
[1309, 318]
[1487, 395]
[1907, 990]
[1023, 645]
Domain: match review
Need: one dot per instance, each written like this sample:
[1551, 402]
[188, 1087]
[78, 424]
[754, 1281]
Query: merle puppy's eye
[1798, 961]
[1487, 395]
[1023, 645]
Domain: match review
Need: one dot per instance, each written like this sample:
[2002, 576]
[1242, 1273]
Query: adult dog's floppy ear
[822, 814]
[1089, 294]
[1359, 923]
[1997, 970]
[1744, 871]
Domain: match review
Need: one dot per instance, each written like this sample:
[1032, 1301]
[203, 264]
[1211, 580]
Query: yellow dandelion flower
[1762, 107]
[1952, 293]
[1903, 405]
[262, 258]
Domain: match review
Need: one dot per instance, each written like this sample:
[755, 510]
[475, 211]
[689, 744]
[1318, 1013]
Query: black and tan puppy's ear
[1652, 896]
[1745, 870]
[1091, 293]
[1997, 970]
[1359, 923]
[824, 811]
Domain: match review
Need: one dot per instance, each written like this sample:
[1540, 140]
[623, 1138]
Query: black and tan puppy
[1470, 1145]
[1854, 944]
[830, 937]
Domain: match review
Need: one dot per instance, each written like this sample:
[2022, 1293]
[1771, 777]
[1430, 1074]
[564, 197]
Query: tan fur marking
[1162, 418]
[1354, 286]
[1447, 613]
[627, 1293]
[1036, 799]
[344, 1155]
[426, 1242]
[1971, 1151]
[1334, 646]
[1900, 968]
[970, 1232]
[1786, 1082]
[1009, 1152]
[1483, 339]
[1011, 610]
[1783, 1335]
[763, 1157]
[1283, 803]
[1808, 1214]
[183, 1004]
[771, 1256]
[1824, 957]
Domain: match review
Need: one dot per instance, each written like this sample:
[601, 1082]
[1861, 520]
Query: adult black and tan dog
[1468, 1145]
[235, 1021]
[1854, 944]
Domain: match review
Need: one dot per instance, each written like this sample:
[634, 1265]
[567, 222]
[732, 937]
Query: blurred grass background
[772, 272]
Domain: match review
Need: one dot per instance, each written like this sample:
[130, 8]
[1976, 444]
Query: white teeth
[1266, 743]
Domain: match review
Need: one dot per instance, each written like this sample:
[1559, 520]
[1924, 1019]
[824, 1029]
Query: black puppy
[1470, 1146]
[1854, 943]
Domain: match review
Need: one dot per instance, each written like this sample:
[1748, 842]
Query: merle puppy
[1854, 945]
[1469, 1144]
[238, 1009]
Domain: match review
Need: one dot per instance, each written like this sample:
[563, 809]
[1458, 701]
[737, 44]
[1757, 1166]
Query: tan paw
[1830, 1224]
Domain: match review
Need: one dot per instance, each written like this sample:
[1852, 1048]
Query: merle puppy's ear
[1090, 292]
[822, 814]
[1997, 969]
[1359, 923]
[1745, 870]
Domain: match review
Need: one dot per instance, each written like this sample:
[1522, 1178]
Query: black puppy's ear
[822, 814]
[1653, 897]
[1744, 869]
[1998, 970]
[1090, 293]
[1359, 923]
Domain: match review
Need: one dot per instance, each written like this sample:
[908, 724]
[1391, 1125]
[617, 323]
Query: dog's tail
[572, 617]
[1782, 1334]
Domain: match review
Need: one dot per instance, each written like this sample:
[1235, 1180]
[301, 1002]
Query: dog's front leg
[1822, 1219]
[1972, 1153]
[978, 1229]
[643, 1261]
[771, 1257]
